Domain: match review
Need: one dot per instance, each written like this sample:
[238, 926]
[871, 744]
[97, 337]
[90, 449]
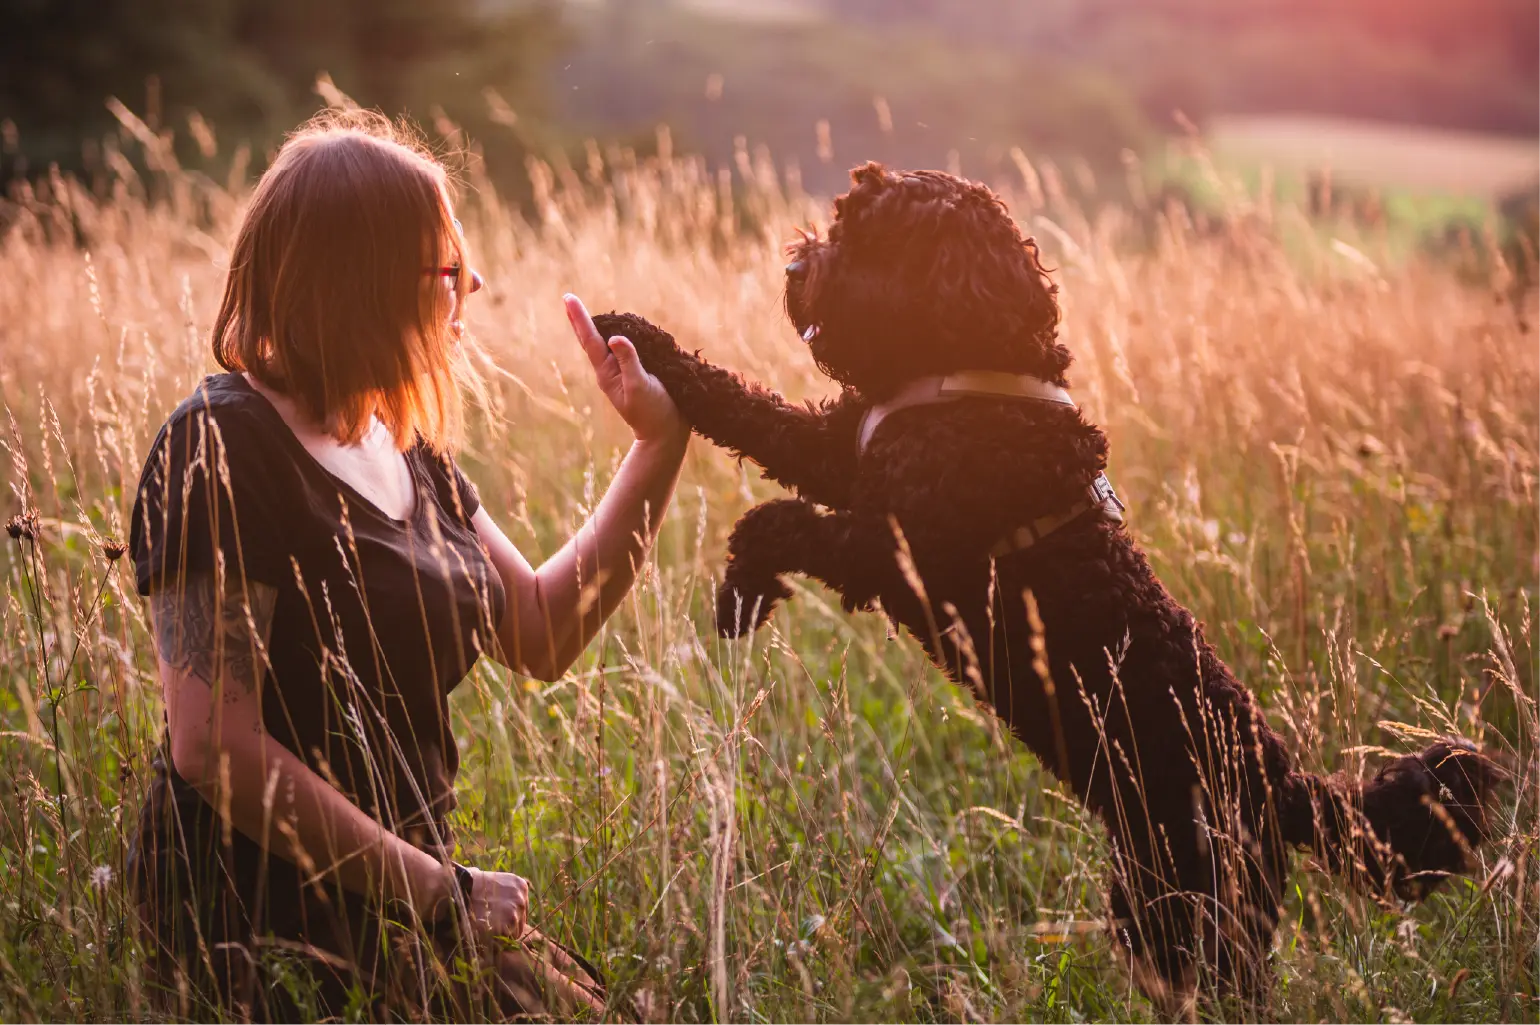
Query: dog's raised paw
[652, 342]
[744, 606]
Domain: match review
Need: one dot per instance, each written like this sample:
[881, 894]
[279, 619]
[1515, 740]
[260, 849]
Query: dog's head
[922, 273]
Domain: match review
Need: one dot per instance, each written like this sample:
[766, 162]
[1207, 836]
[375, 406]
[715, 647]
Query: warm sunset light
[769, 510]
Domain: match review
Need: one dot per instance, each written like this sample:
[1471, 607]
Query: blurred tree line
[248, 68]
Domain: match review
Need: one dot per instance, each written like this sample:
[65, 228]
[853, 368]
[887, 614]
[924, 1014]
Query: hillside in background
[827, 93]
[828, 82]
[1469, 65]
[914, 80]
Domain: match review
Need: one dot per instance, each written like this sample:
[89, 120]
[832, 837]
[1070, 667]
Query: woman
[320, 576]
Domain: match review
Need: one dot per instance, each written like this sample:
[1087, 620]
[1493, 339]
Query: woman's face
[444, 280]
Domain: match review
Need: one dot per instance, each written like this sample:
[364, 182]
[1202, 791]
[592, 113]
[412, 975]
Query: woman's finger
[632, 376]
[583, 326]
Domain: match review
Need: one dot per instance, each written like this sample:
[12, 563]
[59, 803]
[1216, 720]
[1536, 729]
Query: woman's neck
[371, 465]
[309, 430]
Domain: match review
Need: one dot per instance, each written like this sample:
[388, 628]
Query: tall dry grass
[1330, 459]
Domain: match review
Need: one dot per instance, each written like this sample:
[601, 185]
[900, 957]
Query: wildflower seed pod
[23, 525]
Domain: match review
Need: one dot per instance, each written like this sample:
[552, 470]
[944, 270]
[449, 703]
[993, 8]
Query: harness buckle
[1101, 488]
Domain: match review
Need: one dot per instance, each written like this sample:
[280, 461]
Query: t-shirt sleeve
[457, 496]
[207, 502]
[470, 498]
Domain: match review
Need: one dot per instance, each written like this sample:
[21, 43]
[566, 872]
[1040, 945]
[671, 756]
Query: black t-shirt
[376, 619]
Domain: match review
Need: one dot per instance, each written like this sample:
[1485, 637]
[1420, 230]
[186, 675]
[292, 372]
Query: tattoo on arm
[215, 633]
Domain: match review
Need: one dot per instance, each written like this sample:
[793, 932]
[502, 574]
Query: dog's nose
[796, 269]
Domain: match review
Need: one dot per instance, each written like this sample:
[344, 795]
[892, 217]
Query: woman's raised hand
[637, 396]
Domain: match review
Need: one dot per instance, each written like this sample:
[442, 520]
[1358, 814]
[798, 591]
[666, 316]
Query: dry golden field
[1329, 456]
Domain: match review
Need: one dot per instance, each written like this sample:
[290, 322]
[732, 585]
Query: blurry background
[1426, 95]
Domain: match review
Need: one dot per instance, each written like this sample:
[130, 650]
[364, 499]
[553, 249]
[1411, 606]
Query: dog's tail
[1418, 821]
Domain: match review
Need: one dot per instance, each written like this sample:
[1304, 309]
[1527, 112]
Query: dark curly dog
[953, 482]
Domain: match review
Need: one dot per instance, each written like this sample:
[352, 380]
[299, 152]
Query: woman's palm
[639, 398]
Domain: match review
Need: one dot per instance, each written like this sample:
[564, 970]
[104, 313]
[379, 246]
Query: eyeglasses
[454, 273]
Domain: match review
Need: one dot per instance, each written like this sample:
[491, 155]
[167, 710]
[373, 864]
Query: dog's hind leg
[1190, 931]
[1196, 877]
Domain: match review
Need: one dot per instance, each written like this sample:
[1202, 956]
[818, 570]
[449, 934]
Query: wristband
[465, 879]
[465, 882]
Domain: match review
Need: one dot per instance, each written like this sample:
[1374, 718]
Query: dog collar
[926, 391]
[933, 390]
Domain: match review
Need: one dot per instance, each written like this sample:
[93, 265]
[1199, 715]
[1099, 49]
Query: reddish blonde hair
[327, 300]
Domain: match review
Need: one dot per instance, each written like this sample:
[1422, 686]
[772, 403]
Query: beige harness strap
[1098, 496]
[928, 391]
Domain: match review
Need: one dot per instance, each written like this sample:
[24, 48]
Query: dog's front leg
[809, 449]
[839, 548]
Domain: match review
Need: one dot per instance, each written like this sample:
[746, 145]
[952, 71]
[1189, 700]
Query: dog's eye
[796, 269]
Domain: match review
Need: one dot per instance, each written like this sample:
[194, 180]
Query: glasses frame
[455, 273]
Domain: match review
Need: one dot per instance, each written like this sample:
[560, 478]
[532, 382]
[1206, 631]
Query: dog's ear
[870, 174]
[869, 182]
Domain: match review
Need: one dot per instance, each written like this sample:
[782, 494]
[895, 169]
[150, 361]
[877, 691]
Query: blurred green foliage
[249, 67]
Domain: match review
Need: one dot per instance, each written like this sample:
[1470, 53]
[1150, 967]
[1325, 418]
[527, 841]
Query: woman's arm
[211, 643]
[553, 612]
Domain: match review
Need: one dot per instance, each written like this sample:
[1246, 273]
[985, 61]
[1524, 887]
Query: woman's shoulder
[226, 409]
[223, 397]
[217, 478]
[222, 425]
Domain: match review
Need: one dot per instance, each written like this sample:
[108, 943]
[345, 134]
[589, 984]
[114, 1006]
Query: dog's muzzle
[796, 274]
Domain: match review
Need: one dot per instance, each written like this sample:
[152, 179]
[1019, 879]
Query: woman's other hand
[637, 396]
[499, 903]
